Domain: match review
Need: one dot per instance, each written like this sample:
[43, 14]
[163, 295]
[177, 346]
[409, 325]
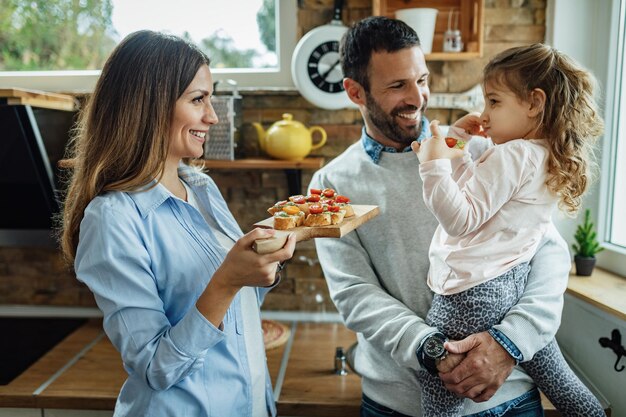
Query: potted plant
[586, 247]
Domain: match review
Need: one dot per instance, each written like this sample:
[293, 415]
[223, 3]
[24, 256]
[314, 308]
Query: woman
[179, 286]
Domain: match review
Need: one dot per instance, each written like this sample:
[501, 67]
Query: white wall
[587, 31]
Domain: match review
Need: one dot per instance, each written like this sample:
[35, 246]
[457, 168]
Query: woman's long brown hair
[570, 122]
[121, 139]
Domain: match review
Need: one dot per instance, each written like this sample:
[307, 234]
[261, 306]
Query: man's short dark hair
[372, 34]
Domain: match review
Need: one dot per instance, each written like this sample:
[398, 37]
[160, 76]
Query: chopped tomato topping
[313, 198]
[451, 142]
[299, 199]
[328, 192]
[316, 191]
[333, 209]
[291, 210]
[316, 209]
[342, 199]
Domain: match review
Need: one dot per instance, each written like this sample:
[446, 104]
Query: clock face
[324, 68]
[434, 347]
[315, 67]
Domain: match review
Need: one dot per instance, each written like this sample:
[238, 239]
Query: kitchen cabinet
[594, 308]
[23, 150]
[470, 23]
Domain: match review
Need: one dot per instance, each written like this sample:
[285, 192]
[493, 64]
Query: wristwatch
[431, 350]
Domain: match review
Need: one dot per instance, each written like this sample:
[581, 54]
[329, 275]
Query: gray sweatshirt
[377, 280]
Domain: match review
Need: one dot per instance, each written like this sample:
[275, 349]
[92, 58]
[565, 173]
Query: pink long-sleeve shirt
[492, 213]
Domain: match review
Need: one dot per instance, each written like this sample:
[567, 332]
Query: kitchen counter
[84, 372]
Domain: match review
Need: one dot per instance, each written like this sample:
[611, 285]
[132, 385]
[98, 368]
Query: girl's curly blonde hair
[570, 121]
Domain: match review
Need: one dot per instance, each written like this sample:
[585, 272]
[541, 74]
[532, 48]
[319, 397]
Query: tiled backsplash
[39, 276]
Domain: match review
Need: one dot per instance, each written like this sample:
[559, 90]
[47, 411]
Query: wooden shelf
[246, 163]
[260, 163]
[471, 23]
[42, 99]
[449, 56]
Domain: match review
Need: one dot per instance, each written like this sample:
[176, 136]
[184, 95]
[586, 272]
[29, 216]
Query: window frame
[614, 256]
[85, 81]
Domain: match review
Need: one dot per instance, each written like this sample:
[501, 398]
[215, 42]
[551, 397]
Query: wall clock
[315, 66]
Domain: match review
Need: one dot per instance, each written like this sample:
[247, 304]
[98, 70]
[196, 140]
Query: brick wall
[37, 276]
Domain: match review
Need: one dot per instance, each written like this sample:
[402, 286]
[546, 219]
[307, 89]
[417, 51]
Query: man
[377, 274]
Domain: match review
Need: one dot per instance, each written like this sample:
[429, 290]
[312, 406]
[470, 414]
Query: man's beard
[384, 122]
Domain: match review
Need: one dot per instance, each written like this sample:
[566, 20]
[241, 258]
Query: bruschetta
[277, 207]
[288, 218]
[301, 202]
[317, 216]
[344, 204]
[318, 208]
[336, 214]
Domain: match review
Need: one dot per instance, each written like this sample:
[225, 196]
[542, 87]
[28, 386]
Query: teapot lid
[288, 121]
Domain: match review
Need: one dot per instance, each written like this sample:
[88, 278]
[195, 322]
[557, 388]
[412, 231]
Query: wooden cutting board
[362, 214]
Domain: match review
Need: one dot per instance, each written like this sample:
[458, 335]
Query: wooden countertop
[310, 386]
[29, 389]
[602, 289]
[84, 371]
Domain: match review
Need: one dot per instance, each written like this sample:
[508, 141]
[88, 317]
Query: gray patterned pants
[477, 310]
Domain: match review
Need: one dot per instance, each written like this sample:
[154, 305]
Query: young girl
[541, 115]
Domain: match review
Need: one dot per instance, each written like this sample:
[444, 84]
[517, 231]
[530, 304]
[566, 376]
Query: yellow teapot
[289, 139]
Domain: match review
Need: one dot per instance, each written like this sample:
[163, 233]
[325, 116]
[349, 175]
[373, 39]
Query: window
[227, 31]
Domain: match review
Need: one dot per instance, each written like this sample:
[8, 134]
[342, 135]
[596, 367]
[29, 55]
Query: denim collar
[374, 149]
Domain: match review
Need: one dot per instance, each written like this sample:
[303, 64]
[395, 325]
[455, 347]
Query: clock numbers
[324, 67]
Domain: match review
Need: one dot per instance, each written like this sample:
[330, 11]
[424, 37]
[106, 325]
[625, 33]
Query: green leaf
[586, 238]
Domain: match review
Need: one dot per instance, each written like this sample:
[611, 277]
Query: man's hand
[450, 362]
[482, 372]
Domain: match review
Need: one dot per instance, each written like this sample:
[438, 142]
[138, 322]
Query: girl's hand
[435, 147]
[471, 124]
[244, 267]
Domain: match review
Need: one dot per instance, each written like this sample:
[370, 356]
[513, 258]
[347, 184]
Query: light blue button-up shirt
[147, 256]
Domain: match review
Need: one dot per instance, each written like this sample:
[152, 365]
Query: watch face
[433, 347]
[324, 67]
